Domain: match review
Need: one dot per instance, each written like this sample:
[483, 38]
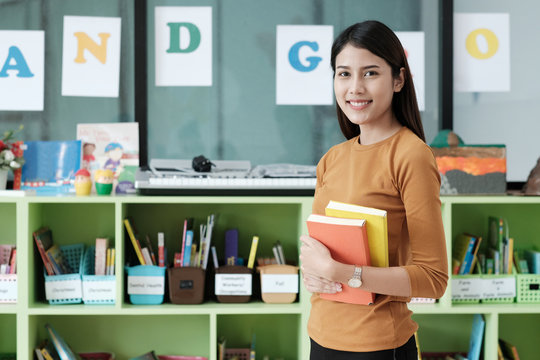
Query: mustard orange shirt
[399, 175]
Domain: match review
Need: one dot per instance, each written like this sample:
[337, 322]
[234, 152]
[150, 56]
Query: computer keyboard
[148, 184]
[224, 183]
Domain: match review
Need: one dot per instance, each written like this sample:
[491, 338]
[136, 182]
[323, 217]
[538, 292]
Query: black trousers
[407, 351]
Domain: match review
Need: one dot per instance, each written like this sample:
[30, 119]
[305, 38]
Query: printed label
[8, 289]
[233, 284]
[499, 288]
[64, 289]
[467, 289]
[99, 290]
[146, 285]
[279, 283]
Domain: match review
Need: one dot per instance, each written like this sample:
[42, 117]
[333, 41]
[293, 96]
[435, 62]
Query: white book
[146, 256]
[101, 255]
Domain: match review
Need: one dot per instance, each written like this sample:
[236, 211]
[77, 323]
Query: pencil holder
[279, 283]
[528, 288]
[66, 288]
[466, 289]
[233, 284]
[146, 284]
[186, 285]
[499, 289]
[97, 289]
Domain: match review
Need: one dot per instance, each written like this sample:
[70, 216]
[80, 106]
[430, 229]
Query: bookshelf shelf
[195, 329]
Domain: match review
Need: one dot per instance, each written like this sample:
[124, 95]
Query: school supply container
[66, 288]
[97, 289]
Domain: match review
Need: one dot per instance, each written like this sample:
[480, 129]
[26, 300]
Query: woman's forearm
[388, 281]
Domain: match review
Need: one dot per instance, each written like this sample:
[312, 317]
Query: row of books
[50, 253]
[498, 255]
[8, 259]
[105, 256]
[55, 262]
[195, 253]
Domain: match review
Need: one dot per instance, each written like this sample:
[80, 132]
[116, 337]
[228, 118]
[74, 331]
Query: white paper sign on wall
[91, 56]
[303, 73]
[481, 52]
[183, 45]
[22, 70]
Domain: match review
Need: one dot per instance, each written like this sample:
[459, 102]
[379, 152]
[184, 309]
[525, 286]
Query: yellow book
[113, 261]
[377, 227]
[134, 241]
[253, 251]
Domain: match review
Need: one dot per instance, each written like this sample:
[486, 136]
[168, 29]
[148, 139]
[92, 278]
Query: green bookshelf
[129, 330]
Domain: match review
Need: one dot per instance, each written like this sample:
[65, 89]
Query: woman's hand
[315, 284]
[316, 261]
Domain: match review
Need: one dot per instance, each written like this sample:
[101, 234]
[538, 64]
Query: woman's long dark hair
[379, 39]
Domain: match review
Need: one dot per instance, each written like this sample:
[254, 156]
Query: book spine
[183, 242]
[134, 241]
[161, 249]
[13, 262]
[187, 248]
[252, 252]
[100, 256]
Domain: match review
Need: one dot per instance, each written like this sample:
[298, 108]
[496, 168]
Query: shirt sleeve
[419, 183]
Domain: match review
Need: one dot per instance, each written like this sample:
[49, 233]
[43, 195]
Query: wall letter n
[85, 42]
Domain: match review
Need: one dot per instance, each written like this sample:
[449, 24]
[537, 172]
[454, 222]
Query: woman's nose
[357, 86]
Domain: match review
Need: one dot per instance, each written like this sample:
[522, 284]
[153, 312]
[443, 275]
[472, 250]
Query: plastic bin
[499, 289]
[279, 283]
[66, 288]
[146, 284]
[466, 289]
[240, 354]
[233, 284]
[528, 288]
[186, 285]
[97, 289]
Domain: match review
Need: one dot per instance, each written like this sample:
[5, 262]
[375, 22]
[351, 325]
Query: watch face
[354, 282]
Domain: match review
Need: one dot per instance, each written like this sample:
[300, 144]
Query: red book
[13, 261]
[348, 243]
[43, 239]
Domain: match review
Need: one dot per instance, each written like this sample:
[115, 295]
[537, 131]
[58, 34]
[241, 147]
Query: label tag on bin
[233, 284]
[279, 283]
[63, 289]
[8, 289]
[146, 285]
[467, 288]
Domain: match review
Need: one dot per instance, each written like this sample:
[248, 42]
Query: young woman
[385, 164]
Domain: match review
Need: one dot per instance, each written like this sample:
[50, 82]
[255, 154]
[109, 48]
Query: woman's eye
[370, 73]
[343, 74]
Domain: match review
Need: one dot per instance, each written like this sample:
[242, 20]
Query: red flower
[2, 145]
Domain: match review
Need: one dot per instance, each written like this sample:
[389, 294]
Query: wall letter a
[85, 42]
[20, 64]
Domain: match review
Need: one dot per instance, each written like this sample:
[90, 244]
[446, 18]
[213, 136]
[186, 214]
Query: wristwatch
[356, 280]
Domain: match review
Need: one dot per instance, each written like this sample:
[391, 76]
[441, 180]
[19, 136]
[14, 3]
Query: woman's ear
[399, 80]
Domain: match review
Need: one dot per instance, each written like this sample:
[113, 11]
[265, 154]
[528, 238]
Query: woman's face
[364, 86]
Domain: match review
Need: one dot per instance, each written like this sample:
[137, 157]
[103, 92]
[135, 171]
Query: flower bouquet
[10, 155]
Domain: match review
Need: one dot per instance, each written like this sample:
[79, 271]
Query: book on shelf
[56, 258]
[132, 234]
[377, 227]
[477, 337]
[347, 241]
[148, 244]
[62, 348]
[43, 240]
[508, 350]
[50, 166]
[464, 251]
[533, 260]
[100, 261]
[113, 146]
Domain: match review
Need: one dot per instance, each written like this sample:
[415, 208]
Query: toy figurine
[104, 181]
[83, 182]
